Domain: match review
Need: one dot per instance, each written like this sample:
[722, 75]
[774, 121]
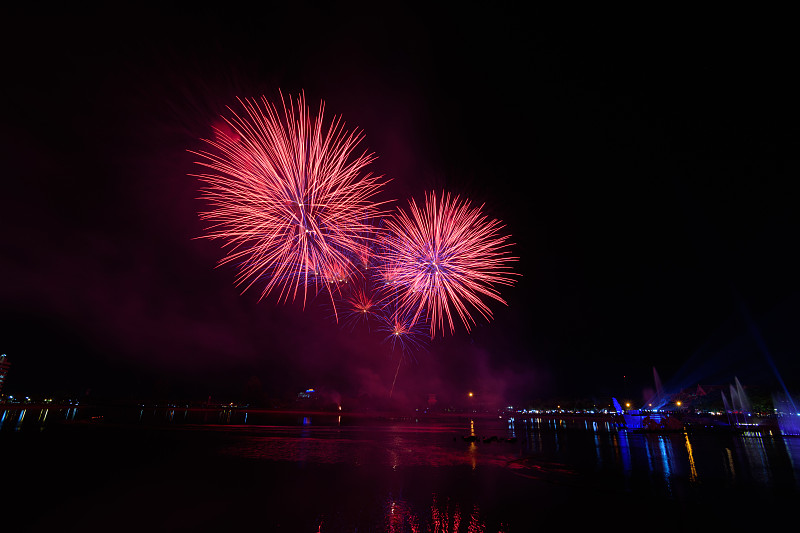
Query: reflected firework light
[444, 256]
[399, 517]
[289, 197]
[445, 516]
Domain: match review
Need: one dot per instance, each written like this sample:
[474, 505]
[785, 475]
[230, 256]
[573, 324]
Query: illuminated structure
[309, 394]
[4, 365]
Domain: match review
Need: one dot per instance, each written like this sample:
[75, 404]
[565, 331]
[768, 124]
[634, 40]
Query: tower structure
[4, 365]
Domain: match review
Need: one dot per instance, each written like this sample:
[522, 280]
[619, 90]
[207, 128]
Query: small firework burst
[403, 331]
[363, 305]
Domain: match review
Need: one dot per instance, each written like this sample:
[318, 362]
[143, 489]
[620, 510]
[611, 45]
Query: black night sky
[646, 173]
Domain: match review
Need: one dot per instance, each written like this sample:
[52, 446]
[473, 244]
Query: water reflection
[793, 451]
[473, 447]
[752, 452]
[394, 446]
[399, 517]
[621, 445]
[442, 516]
[669, 463]
[19, 418]
[449, 475]
[730, 468]
[447, 517]
[692, 466]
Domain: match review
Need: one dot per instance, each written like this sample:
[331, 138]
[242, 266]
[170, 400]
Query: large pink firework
[446, 258]
[290, 197]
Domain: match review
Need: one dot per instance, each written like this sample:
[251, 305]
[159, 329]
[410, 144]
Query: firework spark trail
[396, 373]
[445, 256]
[289, 197]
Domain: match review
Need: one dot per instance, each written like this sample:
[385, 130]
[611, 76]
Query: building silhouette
[4, 365]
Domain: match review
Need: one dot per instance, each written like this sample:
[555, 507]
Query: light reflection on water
[761, 458]
[14, 418]
[757, 457]
[549, 458]
[440, 515]
[394, 446]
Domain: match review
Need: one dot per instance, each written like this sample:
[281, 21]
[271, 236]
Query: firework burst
[402, 331]
[445, 258]
[290, 198]
[362, 305]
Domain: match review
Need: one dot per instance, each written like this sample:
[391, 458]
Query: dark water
[183, 470]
